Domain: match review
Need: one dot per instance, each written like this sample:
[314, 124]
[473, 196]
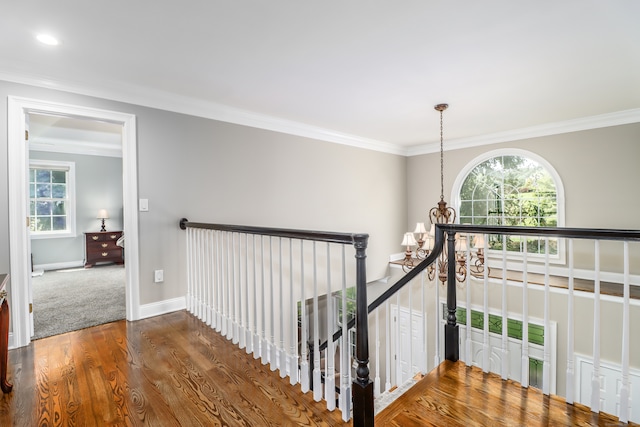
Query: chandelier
[443, 214]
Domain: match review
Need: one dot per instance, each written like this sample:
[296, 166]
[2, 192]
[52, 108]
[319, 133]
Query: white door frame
[20, 271]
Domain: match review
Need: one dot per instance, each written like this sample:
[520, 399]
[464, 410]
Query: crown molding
[556, 128]
[157, 99]
[185, 105]
[77, 146]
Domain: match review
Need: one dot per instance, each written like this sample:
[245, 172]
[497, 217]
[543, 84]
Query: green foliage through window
[514, 327]
[511, 190]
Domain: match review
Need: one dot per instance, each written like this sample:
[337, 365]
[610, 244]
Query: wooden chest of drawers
[101, 247]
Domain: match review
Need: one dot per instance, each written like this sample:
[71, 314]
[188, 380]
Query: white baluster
[546, 366]
[242, 296]
[293, 307]
[468, 356]
[317, 373]
[304, 364]
[224, 283]
[219, 258]
[570, 385]
[397, 356]
[273, 357]
[524, 380]
[424, 362]
[201, 275]
[438, 324]
[410, 285]
[485, 308]
[387, 309]
[233, 317]
[624, 389]
[189, 302]
[376, 381]
[228, 287]
[248, 339]
[256, 329]
[595, 380]
[264, 346]
[282, 351]
[207, 278]
[505, 316]
[330, 378]
[196, 273]
[345, 350]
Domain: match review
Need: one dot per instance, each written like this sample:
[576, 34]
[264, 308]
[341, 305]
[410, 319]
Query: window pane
[43, 175]
[44, 208]
[466, 208]
[59, 191]
[59, 223]
[43, 190]
[43, 224]
[50, 207]
[59, 176]
[510, 190]
[59, 208]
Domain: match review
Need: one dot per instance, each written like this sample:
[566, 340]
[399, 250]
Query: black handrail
[562, 232]
[320, 236]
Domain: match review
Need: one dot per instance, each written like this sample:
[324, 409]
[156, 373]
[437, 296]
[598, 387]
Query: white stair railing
[271, 292]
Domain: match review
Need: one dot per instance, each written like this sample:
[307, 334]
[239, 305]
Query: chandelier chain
[441, 159]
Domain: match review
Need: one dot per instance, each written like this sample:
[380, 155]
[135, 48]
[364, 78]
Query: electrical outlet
[158, 276]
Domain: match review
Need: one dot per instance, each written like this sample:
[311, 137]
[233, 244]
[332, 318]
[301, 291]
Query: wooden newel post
[362, 390]
[451, 346]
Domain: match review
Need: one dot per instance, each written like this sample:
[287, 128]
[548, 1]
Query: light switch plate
[144, 205]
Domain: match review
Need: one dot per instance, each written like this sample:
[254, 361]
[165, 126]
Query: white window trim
[71, 194]
[560, 258]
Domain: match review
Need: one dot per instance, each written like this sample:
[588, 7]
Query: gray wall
[211, 171]
[98, 186]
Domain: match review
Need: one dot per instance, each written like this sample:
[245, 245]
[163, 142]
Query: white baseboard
[162, 307]
[59, 265]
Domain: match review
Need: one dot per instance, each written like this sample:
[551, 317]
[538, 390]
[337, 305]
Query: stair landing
[456, 395]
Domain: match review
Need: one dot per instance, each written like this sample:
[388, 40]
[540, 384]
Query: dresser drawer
[103, 236]
[101, 247]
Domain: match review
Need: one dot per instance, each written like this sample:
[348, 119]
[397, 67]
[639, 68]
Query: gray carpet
[68, 300]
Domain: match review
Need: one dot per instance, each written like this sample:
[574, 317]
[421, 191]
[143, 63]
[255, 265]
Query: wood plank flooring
[173, 370]
[170, 370]
[456, 395]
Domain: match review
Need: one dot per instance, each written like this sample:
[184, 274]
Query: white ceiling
[361, 72]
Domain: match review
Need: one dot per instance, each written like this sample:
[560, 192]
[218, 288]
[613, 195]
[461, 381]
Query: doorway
[75, 176]
[19, 243]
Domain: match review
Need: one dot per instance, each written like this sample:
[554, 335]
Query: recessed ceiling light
[47, 39]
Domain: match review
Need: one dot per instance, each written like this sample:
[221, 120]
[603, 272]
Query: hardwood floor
[173, 370]
[455, 395]
[169, 370]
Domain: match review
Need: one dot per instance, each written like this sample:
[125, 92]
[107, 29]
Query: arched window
[511, 188]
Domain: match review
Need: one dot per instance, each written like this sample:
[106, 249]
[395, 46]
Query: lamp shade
[420, 228]
[428, 243]
[102, 214]
[479, 241]
[408, 239]
[461, 243]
